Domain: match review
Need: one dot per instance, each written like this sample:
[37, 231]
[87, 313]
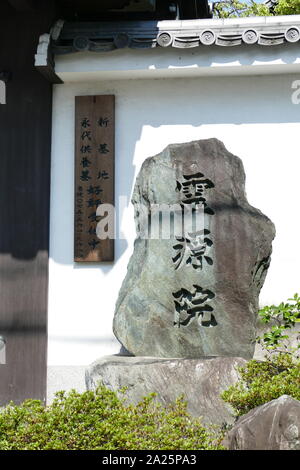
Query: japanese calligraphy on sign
[94, 174]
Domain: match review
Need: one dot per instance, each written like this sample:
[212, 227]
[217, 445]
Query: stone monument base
[201, 381]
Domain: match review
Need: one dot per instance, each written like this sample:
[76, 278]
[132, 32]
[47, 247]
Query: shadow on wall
[243, 55]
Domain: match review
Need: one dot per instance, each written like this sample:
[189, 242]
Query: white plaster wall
[172, 62]
[254, 117]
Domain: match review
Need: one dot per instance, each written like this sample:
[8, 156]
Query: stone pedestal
[201, 381]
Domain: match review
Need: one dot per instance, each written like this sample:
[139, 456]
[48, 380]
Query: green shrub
[100, 420]
[284, 317]
[263, 381]
[279, 374]
[237, 8]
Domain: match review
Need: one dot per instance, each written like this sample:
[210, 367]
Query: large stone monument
[190, 297]
[192, 291]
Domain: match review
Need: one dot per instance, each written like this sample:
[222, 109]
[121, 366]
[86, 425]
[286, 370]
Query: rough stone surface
[196, 296]
[200, 381]
[272, 426]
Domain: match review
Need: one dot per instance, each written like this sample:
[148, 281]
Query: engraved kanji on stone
[192, 305]
[193, 250]
[193, 190]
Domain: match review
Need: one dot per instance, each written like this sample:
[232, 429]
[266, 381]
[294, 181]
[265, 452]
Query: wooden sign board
[94, 174]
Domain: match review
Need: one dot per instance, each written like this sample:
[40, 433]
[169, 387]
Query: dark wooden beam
[44, 60]
[25, 149]
[5, 76]
[49, 74]
[22, 5]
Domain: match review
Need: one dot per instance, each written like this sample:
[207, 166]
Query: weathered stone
[272, 426]
[194, 295]
[201, 381]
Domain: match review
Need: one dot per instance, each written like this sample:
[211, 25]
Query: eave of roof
[106, 36]
[67, 38]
